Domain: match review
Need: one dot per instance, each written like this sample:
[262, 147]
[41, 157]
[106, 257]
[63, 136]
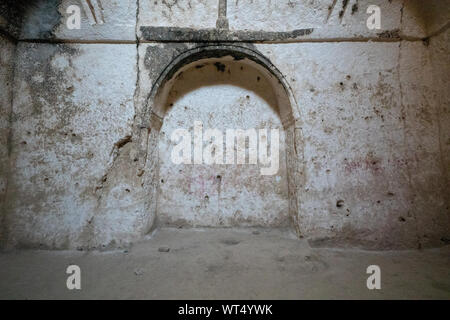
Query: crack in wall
[128, 138]
[114, 154]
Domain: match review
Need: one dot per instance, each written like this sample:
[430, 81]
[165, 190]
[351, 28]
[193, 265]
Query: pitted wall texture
[7, 50]
[82, 167]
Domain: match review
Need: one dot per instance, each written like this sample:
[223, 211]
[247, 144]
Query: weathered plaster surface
[369, 144]
[435, 14]
[178, 13]
[424, 18]
[329, 19]
[11, 17]
[7, 49]
[72, 104]
[440, 61]
[48, 20]
[362, 104]
[420, 109]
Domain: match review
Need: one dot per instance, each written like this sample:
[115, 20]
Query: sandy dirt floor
[225, 264]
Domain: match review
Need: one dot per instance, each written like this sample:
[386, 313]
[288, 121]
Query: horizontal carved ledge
[175, 34]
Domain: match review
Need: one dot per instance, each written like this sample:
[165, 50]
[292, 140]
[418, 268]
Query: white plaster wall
[426, 173]
[122, 19]
[370, 132]
[374, 118]
[221, 195]
[72, 103]
[328, 21]
[178, 13]
[48, 19]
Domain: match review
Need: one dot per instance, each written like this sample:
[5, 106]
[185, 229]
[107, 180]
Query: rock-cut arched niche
[211, 96]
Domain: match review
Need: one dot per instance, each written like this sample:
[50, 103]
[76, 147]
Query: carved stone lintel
[175, 34]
